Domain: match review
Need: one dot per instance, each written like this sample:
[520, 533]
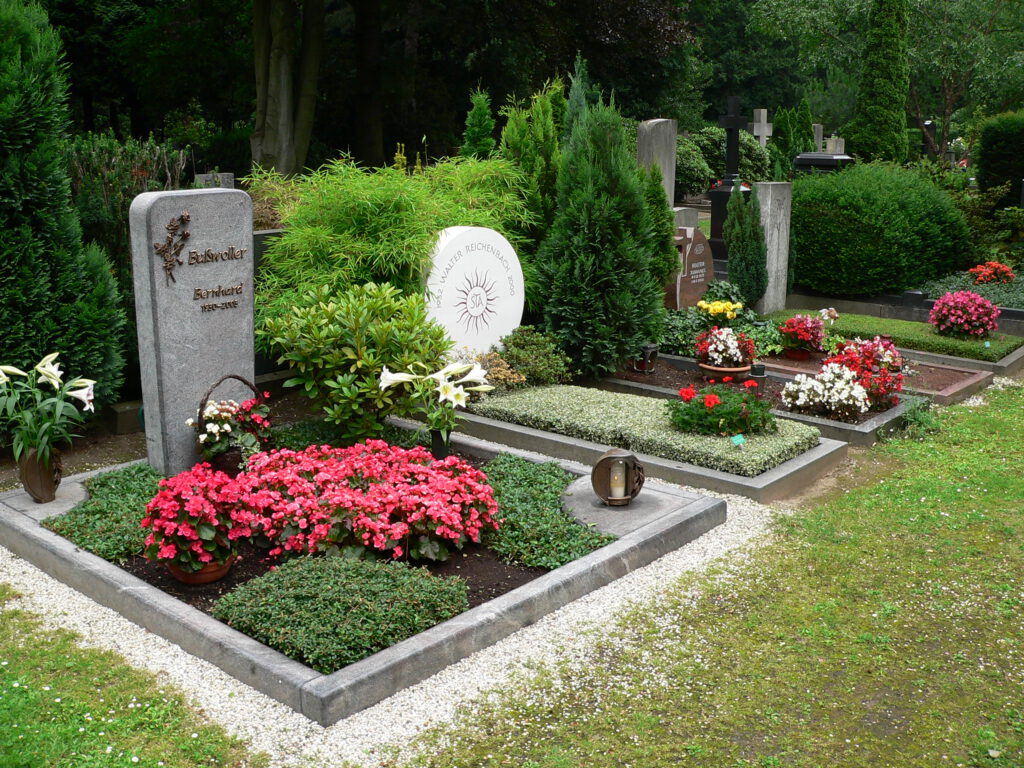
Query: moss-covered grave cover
[641, 424]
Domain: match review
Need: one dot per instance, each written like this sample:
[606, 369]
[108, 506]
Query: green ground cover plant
[107, 523]
[328, 612]
[641, 424]
[880, 627]
[920, 336]
[534, 528]
[1001, 294]
[66, 706]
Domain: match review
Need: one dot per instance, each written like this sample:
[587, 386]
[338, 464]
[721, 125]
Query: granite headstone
[475, 286]
[656, 145]
[193, 270]
[776, 199]
[696, 269]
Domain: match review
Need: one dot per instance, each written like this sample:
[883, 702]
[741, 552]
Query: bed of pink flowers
[964, 314]
[370, 495]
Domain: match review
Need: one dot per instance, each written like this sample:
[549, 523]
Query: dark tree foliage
[605, 295]
[999, 157]
[878, 128]
[744, 240]
[55, 296]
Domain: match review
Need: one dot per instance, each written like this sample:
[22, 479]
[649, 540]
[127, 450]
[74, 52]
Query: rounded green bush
[328, 612]
[997, 157]
[873, 229]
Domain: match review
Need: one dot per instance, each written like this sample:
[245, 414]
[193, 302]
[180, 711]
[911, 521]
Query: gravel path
[377, 733]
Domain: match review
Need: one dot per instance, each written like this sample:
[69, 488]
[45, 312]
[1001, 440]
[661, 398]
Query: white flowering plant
[438, 395]
[834, 392]
[36, 412]
[227, 424]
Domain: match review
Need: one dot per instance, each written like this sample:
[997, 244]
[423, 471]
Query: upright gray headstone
[835, 145]
[761, 128]
[686, 217]
[213, 180]
[192, 259]
[776, 199]
[819, 136]
[656, 145]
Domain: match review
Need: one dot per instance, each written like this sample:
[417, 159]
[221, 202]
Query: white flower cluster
[834, 391]
[724, 349]
[218, 417]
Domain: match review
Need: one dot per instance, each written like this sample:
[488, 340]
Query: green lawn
[882, 627]
[64, 706]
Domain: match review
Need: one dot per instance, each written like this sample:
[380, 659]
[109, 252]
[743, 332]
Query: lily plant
[438, 395]
[36, 412]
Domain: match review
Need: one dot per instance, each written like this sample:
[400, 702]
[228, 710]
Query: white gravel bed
[370, 736]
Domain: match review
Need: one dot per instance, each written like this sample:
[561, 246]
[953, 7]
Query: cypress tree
[55, 296]
[478, 139]
[744, 241]
[878, 128]
[804, 128]
[659, 226]
[604, 301]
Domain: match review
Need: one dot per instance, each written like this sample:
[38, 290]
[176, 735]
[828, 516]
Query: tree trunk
[285, 92]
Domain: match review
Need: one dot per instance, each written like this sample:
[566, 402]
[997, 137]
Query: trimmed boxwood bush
[997, 155]
[640, 423]
[873, 229]
[535, 530]
[328, 612]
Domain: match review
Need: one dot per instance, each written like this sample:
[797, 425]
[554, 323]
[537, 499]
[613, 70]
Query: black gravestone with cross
[732, 123]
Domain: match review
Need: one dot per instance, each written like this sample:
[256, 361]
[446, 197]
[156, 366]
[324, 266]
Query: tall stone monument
[776, 199]
[656, 145]
[192, 258]
[733, 123]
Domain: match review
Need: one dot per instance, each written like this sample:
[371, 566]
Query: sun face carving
[475, 302]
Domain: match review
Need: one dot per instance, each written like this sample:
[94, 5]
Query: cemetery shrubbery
[744, 237]
[754, 164]
[997, 154]
[873, 228]
[55, 294]
[693, 174]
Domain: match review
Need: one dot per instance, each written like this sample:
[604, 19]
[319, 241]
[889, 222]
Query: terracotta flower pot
[38, 479]
[797, 353]
[208, 573]
[714, 372]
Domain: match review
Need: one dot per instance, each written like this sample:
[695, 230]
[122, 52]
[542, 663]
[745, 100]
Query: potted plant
[37, 415]
[195, 524]
[801, 335]
[230, 432]
[723, 352]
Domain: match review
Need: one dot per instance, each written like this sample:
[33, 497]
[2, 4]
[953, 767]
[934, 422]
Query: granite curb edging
[788, 478]
[329, 698]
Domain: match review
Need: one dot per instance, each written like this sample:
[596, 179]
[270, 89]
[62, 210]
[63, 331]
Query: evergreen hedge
[874, 228]
[55, 295]
[998, 155]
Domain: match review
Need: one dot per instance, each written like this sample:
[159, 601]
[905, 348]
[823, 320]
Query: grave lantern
[617, 477]
[644, 362]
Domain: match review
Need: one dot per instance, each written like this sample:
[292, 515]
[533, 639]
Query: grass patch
[1000, 294]
[919, 336]
[641, 424]
[65, 706]
[107, 523]
[535, 530]
[881, 628]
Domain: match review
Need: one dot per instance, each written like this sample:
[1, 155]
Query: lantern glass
[617, 484]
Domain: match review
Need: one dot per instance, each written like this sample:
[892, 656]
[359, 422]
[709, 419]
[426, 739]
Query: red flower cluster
[195, 519]
[253, 416]
[992, 272]
[373, 495]
[687, 393]
[803, 332]
[877, 364]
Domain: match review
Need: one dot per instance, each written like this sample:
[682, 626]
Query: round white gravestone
[475, 287]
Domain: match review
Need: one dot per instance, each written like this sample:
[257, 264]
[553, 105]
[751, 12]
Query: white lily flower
[481, 388]
[459, 397]
[50, 370]
[446, 390]
[10, 370]
[452, 369]
[389, 379]
[476, 375]
[86, 395]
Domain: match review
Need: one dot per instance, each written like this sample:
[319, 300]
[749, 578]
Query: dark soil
[484, 573]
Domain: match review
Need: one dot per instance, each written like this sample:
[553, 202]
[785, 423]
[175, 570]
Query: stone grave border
[865, 434]
[786, 479]
[327, 699]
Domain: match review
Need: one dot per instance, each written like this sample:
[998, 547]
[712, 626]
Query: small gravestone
[475, 286]
[656, 145]
[193, 271]
[819, 136]
[214, 180]
[835, 145]
[686, 217]
[686, 286]
[761, 128]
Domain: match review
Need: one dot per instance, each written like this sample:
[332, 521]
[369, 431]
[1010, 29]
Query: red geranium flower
[750, 384]
[726, 379]
[710, 401]
[687, 393]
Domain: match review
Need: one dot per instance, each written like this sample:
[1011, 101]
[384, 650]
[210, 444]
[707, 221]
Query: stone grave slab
[475, 286]
[696, 269]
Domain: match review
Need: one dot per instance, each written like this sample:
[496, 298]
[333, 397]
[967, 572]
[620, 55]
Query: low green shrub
[920, 336]
[107, 523]
[873, 228]
[337, 345]
[640, 423]
[680, 331]
[535, 530]
[328, 612]
[536, 356]
[1000, 294]
[693, 174]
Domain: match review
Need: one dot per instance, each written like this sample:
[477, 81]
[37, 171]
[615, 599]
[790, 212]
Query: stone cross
[732, 123]
[192, 262]
[656, 145]
[819, 136]
[761, 128]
